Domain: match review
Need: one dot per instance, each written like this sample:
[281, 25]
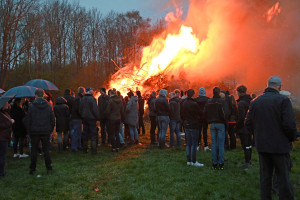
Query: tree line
[66, 43]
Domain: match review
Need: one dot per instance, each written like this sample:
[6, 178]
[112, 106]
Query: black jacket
[151, 106]
[62, 114]
[141, 102]
[243, 106]
[175, 109]
[271, 118]
[202, 100]
[214, 110]
[190, 112]
[88, 108]
[162, 106]
[41, 120]
[102, 105]
[17, 113]
[114, 110]
[70, 99]
[75, 108]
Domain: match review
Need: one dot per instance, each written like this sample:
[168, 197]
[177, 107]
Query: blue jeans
[121, 134]
[163, 123]
[133, 133]
[175, 127]
[192, 136]
[217, 131]
[3, 150]
[76, 133]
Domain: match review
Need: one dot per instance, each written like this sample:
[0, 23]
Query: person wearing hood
[89, 112]
[62, 114]
[163, 111]
[6, 123]
[202, 100]
[41, 122]
[131, 117]
[174, 119]
[114, 113]
[152, 116]
[245, 137]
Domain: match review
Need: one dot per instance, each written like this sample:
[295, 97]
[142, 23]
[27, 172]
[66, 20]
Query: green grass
[138, 172]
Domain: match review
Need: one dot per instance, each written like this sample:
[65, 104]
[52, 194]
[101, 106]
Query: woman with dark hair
[6, 123]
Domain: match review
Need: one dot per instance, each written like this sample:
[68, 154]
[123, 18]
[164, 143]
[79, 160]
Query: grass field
[138, 172]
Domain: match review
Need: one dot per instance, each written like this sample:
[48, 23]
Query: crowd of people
[267, 122]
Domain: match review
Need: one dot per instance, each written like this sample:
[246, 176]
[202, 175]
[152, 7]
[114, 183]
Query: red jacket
[5, 126]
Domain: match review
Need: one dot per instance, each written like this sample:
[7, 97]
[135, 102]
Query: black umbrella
[41, 83]
[3, 100]
[21, 91]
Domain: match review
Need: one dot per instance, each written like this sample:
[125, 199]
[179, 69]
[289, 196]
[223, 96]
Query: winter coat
[190, 112]
[75, 108]
[162, 106]
[214, 110]
[175, 109]
[243, 106]
[151, 106]
[131, 112]
[88, 108]
[17, 113]
[5, 126]
[41, 120]
[102, 105]
[114, 108]
[141, 102]
[271, 118]
[62, 114]
[202, 100]
[70, 99]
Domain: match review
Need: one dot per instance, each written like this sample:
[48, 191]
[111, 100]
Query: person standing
[141, 103]
[215, 115]
[232, 124]
[102, 104]
[131, 117]
[174, 119]
[89, 112]
[245, 136]
[6, 123]
[152, 116]
[41, 122]
[271, 118]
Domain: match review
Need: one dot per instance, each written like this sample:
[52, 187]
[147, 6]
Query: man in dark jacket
[102, 104]
[163, 120]
[215, 115]
[141, 103]
[202, 100]
[191, 122]
[174, 119]
[114, 112]
[245, 137]
[41, 123]
[76, 131]
[89, 112]
[271, 118]
[152, 115]
[70, 99]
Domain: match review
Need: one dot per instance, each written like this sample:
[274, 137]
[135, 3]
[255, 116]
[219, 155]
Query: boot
[60, 147]
[94, 147]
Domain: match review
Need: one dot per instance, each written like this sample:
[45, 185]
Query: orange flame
[273, 11]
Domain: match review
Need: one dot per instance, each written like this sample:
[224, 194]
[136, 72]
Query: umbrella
[3, 100]
[21, 91]
[1, 91]
[41, 83]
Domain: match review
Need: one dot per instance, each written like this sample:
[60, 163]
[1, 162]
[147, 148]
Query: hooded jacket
[62, 114]
[131, 112]
[41, 120]
[162, 106]
[88, 108]
[175, 109]
[201, 101]
[114, 108]
[243, 106]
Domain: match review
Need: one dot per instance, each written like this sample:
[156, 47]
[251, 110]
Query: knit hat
[202, 92]
[274, 81]
[163, 92]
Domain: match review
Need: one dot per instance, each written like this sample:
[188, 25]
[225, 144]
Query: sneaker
[16, 155]
[189, 163]
[221, 167]
[23, 155]
[207, 148]
[215, 167]
[198, 148]
[197, 164]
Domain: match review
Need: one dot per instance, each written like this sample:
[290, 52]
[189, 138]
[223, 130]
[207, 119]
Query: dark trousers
[281, 163]
[153, 128]
[103, 126]
[141, 125]
[231, 133]
[3, 150]
[45, 139]
[246, 141]
[126, 131]
[89, 130]
[18, 140]
[203, 127]
[113, 133]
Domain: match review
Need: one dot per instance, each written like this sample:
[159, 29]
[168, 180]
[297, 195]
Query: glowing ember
[273, 11]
